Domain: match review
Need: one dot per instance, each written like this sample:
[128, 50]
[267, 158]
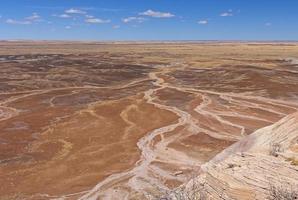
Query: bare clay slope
[130, 121]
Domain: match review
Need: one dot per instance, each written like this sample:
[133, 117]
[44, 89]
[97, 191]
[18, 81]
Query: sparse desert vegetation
[275, 149]
[293, 161]
[283, 192]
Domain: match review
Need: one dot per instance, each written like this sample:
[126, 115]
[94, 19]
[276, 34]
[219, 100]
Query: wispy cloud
[67, 27]
[268, 24]
[97, 21]
[75, 11]
[203, 22]
[229, 13]
[133, 19]
[116, 26]
[89, 16]
[26, 21]
[12, 21]
[157, 14]
[33, 17]
[63, 16]
[70, 13]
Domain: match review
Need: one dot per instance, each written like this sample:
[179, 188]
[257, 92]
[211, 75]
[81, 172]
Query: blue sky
[149, 19]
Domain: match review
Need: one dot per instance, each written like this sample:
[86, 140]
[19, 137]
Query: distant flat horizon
[149, 20]
[157, 41]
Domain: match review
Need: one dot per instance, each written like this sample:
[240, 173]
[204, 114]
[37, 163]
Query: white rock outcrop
[248, 169]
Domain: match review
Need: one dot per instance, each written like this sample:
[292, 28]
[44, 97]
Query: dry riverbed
[129, 121]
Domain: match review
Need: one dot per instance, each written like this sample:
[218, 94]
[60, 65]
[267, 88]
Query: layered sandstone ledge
[248, 169]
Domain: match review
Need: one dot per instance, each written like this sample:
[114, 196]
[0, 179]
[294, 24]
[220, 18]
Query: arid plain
[90, 120]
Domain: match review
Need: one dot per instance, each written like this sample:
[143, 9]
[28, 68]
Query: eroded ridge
[164, 149]
[113, 124]
[249, 166]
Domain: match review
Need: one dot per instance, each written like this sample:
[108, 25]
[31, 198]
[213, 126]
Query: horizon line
[150, 41]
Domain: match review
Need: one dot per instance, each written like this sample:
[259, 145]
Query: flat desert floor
[83, 120]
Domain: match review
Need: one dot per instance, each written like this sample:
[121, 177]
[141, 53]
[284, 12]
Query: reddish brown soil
[73, 114]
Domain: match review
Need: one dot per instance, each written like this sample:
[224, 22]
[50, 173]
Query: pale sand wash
[147, 178]
[139, 176]
[216, 114]
[7, 112]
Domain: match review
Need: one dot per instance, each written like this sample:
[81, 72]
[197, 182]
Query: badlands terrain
[83, 120]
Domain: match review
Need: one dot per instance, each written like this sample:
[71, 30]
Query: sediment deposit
[132, 121]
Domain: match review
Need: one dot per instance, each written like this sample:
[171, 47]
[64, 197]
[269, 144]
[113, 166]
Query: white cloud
[157, 14]
[226, 14]
[97, 21]
[74, 11]
[133, 19]
[229, 13]
[12, 21]
[268, 24]
[89, 16]
[33, 17]
[26, 21]
[64, 16]
[67, 27]
[116, 26]
[203, 22]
